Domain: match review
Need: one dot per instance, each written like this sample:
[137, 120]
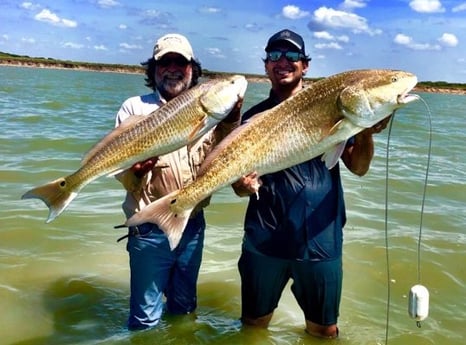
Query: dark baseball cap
[286, 36]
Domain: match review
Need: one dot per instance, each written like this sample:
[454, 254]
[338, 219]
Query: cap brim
[276, 42]
[161, 53]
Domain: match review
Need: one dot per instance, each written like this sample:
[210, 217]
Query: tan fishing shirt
[173, 170]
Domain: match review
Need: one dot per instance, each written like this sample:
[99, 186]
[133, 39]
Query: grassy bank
[23, 60]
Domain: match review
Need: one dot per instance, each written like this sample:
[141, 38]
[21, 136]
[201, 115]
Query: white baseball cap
[173, 43]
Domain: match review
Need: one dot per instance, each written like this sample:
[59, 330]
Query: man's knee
[262, 322]
[321, 331]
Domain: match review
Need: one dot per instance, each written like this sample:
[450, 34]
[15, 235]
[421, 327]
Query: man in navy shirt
[294, 230]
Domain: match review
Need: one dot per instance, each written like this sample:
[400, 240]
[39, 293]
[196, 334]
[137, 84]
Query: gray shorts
[316, 286]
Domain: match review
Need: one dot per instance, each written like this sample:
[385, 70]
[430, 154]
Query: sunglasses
[178, 61]
[290, 56]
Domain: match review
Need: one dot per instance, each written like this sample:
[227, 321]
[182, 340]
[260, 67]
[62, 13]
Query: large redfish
[179, 122]
[317, 120]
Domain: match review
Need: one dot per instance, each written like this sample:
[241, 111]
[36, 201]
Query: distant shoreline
[127, 69]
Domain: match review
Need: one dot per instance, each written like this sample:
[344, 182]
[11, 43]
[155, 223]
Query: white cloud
[130, 46]
[51, 18]
[329, 37]
[210, 10]
[30, 6]
[331, 45]
[459, 8]
[28, 40]
[100, 47]
[69, 23]
[294, 12]
[408, 42]
[215, 52]
[254, 27]
[448, 40]
[5, 37]
[350, 4]
[72, 45]
[107, 3]
[403, 39]
[343, 38]
[325, 17]
[323, 35]
[122, 26]
[159, 19]
[427, 6]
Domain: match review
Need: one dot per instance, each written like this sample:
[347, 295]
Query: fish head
[373, 95]
[220, 98]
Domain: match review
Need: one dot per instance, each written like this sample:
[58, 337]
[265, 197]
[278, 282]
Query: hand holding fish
[235, 113]
[379, 126]
[141, 168]
[247, 184]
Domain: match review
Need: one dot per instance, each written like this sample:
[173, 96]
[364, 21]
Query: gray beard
[173, 87]
[173, 84]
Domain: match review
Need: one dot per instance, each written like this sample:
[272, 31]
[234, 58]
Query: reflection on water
[66, 282]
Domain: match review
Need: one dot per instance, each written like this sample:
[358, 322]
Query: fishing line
[418, 296]
[387, 253]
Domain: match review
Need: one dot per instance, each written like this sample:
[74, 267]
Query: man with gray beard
[157, 271]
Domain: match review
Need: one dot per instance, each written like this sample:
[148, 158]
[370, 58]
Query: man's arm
[358, 157]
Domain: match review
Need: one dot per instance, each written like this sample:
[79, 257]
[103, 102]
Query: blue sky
[426, 37]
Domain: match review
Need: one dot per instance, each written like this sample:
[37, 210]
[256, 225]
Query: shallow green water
[66, 282]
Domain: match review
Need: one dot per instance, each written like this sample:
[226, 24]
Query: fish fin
[160, 212]
[199, 126]
[115, 172]
[335, 127]
[130, 121]
[332, 156]
[56, 195]
[256, 188]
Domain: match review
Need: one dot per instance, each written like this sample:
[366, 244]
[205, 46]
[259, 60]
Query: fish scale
[317, 120]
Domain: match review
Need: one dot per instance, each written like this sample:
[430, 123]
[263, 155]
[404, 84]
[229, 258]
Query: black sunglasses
[178, 61]
[289, 55]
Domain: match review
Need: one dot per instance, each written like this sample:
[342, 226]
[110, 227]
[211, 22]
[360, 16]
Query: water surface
[67, 282]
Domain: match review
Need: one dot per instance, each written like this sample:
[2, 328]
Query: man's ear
[305, 67]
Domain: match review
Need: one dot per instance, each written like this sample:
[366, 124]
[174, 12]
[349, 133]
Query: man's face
[173, 75]
[285, 71]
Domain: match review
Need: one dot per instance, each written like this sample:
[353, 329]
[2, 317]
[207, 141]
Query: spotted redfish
[179, 122]
[316, 121]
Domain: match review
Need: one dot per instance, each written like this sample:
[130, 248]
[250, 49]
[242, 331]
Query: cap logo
[285, 34]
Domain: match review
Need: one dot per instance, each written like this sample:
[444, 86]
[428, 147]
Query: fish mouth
[406, 97]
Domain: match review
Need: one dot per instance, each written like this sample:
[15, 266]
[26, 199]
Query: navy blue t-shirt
[300, 212]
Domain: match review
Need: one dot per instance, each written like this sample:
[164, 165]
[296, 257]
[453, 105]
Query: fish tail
[161, 212]
[57, 195]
